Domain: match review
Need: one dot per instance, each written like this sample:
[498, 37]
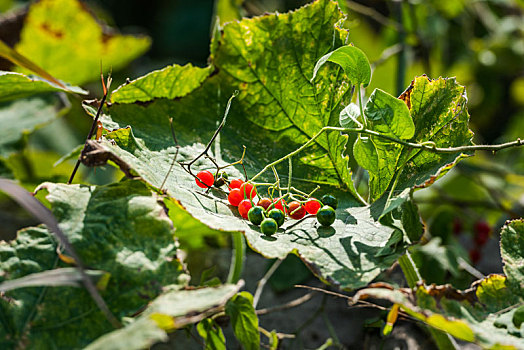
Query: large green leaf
[120, 229]
[269, 60]
[438, 109]
[17, 85]
[488, 313]
[349, 254]
[21, 117]
[277, 110]
[171, 310]
[63, 38]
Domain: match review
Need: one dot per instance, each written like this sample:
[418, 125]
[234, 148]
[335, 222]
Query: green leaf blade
[354, 62]
[244, 320]
[16, 85]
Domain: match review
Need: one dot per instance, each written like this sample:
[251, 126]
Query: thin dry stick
[264, 280]
[93, 126]
[288, 305]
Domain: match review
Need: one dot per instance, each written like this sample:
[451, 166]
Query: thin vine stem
[426, 146]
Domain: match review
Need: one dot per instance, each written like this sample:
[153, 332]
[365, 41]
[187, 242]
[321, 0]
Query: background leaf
[212, 333]
[487, 313]
[21, 117]
[118, 228]
[172, 310]
[63, 38]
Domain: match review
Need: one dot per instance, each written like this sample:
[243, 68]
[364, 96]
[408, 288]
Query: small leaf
[365, 154]
[389, 115]
[16, 85]
[354, 62]
[212, 333]
[244, 320]
[349, 116]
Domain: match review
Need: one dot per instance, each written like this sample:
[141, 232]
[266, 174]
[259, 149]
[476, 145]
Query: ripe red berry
[457, 226]
[482, 231]
[296, 210]
[280, 204]
[248, 190]
[474, 256]
[312, 206]
[235, 183]
[243, 208]
[264, 203]
[205, 179]
[235, 197]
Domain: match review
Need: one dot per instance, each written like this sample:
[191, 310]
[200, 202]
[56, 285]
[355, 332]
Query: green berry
[326, 215]
[268, 226]
[220, 179]
[277, 215]
[256, 215]
[329, 200]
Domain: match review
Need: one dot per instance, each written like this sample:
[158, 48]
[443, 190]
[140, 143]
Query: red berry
[264, 203]
[296, 210]
[482, 231]
[474, 255]
[248, 190]
[244, 207]
[280, 204]
[457, 226]
[235, 197]
[205, 179]
[235, 183]
[312, 206]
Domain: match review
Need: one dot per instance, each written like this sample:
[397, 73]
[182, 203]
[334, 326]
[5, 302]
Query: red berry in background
[264, 203]
[235, 183]
[235, 197]
[296, 210]
[248, 190]
[457, 226]
[280, 204]
[474, 256]
[243, 208]
[205, 179]
[481, 231]
[312, 206]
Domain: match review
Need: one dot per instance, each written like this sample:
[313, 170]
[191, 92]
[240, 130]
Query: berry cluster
[269, 213]
[482, 232]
